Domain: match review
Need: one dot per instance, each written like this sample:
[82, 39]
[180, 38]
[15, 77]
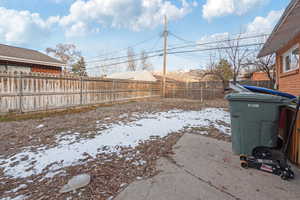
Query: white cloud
[265, 24]
[218, 8]
[19, 27]
[214, 37]
[77, 29]
[132, 14]
[258, 25]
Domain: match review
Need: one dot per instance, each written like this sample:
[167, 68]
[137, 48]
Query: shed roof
[286, 29]
[17, 54]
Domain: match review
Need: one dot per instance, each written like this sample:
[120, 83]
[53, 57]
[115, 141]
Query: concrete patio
[205, 168]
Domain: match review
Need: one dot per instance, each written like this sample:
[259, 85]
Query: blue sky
[101, 26]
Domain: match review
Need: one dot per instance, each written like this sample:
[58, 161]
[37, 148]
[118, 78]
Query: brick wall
[49, 70]
[260, 76]
[287, 81]
[10, 66]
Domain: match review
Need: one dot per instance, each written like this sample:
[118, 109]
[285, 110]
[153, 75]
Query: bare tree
[131, 62]
[212, 61]
[80, 67]
[145, 64]
[67, 53]
[265, 64]
[237, 55]
[220, 68]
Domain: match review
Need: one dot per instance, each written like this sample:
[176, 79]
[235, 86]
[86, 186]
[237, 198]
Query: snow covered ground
[20, 197]
[71, 151]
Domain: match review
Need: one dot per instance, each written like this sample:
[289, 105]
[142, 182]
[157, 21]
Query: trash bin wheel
[244, 164]
[284, 176]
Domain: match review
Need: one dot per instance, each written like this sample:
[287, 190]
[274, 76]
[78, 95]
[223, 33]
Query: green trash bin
[254, 120]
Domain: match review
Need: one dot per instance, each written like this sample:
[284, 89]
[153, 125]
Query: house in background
[261, 76]
[285, 42]
[15, 59]
[181, 75]
[135, 76]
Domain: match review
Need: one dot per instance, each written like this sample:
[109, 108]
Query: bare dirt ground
[17, 134]
[110, 173]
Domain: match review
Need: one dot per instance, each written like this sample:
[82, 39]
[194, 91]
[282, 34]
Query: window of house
[291, 59]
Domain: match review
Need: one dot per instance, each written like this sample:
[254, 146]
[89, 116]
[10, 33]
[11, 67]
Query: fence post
[186, 89]
[152, 86]
[113, 91]
[21, 93]
[149, 86]
[173, 92]
[81, 90]
[201, 93]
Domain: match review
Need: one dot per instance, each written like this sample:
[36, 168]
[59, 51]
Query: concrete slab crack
[149, 190]
[172, 161]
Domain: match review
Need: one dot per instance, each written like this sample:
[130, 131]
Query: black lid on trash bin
[257, 97]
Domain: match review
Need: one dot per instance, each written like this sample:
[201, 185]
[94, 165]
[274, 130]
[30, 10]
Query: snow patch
[20, 187]
[40, 126]
[70, 151]
[20, 197]
[67, 138]
[51, 174]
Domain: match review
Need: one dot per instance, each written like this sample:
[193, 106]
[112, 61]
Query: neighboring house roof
[137, 76]
[16, 54]
[180, 76]
[160, 78]
[286, 29]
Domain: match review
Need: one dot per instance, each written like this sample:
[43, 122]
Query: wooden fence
[205, 90]
[36, 92]
[195, 90]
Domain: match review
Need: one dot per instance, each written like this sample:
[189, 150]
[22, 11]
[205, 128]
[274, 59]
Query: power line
[120, 57]
[180, 38]
[155, 44]
[181, 52]
[117, 63]
[181, 47]
[123, 49]
[216, 48]
[117, 58]
[220, 41]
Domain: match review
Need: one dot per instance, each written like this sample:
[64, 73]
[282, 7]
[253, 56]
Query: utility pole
[165, 55]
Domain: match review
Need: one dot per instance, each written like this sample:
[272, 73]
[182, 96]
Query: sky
[103, 27]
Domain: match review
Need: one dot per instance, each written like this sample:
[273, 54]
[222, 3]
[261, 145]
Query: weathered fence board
[36, 92]
[195, 90]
